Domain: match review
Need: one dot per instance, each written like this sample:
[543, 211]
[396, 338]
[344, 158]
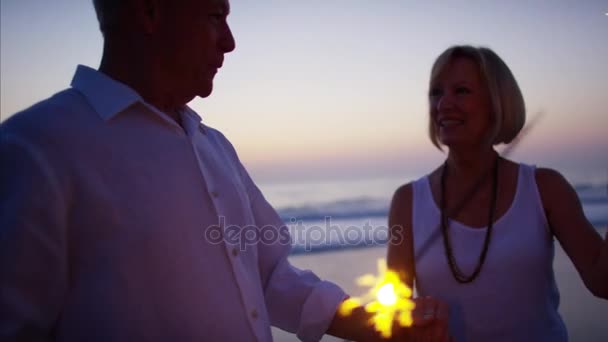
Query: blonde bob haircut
[508, 108]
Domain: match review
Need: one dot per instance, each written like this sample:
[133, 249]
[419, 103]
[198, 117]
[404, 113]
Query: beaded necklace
[456, 271]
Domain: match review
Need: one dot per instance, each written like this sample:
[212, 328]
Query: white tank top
[514, 298]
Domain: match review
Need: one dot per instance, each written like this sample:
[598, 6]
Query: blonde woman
[497, 219]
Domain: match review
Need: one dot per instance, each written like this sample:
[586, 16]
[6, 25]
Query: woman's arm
[400, 255]
[580, 240]
[400, 258]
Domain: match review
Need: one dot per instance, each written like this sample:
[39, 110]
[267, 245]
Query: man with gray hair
[110, 186]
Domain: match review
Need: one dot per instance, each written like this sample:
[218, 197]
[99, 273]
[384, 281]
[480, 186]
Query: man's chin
[205, 91]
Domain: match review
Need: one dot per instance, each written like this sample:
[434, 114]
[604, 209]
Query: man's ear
[147, 14]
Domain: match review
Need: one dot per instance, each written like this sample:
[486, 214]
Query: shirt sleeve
[297, 300]
[33, 271]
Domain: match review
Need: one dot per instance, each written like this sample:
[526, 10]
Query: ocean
[352, 213]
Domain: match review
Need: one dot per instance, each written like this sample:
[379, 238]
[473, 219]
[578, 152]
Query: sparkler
[388, 299]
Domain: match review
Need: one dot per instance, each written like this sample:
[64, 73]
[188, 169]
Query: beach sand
[586, 316]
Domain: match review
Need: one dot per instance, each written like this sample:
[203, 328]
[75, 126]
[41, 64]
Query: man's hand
[430, 324]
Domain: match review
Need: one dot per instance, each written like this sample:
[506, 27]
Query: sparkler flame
[386, 295]
[388, 299]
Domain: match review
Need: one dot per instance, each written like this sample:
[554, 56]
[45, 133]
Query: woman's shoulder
[404, 194]
[545, 178]
[553, 186]
[549, 177]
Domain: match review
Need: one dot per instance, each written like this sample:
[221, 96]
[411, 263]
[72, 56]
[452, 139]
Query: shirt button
[254, 313]
[214, 194]
[235, 252]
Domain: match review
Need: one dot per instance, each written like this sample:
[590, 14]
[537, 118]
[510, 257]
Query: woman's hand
[430, 322]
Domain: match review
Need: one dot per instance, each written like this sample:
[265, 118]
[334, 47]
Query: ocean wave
[593, 199]
[346, 208]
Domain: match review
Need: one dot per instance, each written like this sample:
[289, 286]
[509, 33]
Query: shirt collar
[192, 121]
[107, 96]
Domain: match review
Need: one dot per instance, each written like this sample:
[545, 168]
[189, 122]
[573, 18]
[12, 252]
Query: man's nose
[227, 43]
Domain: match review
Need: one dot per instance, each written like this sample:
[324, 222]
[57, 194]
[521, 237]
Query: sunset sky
[337, 88]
